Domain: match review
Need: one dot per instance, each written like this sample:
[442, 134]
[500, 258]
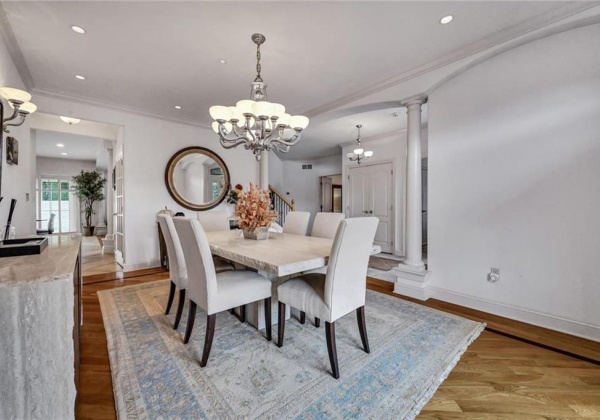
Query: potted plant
[89, 187]
[254, 214]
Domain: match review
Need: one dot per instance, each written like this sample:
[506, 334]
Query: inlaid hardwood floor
[497, 378]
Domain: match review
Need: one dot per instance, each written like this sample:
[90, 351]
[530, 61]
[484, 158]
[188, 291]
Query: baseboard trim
[141, 266]
[552, 322]
[561, 342]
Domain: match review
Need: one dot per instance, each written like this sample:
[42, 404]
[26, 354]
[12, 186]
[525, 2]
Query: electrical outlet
[494, 275]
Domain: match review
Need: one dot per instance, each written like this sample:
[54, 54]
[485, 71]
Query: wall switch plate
[494, 275]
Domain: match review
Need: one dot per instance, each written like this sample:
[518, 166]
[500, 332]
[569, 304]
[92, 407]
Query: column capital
[415, 100]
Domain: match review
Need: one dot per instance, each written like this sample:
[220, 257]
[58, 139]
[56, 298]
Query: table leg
[255, 312]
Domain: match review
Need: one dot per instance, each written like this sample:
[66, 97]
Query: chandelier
[255, 123]
[19, 102]
[359, 154]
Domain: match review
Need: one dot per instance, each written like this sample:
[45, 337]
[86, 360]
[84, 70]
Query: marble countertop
[57, 261]
[282, 254]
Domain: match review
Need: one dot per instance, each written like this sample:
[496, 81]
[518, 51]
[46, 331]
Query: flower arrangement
[234, 194]
[254, 212]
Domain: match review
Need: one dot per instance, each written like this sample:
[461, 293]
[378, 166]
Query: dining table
[277, 258]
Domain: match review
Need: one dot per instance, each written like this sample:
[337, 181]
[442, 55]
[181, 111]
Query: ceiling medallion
[255, 123]
[359, 154]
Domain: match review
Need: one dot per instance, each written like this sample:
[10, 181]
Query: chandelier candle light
[255, 123]
[359, 154]
[19, 101]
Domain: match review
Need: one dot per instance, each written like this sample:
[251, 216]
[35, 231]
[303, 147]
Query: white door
[118, 215]
[326, 194]
[371, 193]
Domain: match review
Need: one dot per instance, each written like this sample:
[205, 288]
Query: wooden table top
[282, 254]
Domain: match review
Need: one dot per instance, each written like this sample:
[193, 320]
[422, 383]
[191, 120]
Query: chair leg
[179, 308]
[268, 326]
[281, 325]
[362, 327]
[317, 322]
[231, 311]
[243, 313]
[190, 322]
[210, 333]
[171, 296]
[332, 348]
[302, 317]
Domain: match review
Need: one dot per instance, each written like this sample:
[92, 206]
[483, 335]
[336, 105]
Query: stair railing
[280, 204]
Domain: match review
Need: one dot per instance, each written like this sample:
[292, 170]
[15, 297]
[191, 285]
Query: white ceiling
[76, 146]
[150, 56]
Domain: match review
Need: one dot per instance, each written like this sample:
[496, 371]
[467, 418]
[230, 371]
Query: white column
[414, 254]
[264, 170]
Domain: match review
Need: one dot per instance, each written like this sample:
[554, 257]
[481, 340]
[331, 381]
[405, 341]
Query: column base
[412, 281]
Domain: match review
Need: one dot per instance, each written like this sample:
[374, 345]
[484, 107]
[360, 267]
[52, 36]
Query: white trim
[141, 266]
[541, 319]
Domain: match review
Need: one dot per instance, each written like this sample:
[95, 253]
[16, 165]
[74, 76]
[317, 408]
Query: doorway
[371, 194]
[330, 196]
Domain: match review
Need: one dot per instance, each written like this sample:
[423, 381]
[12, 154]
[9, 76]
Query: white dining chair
[177, 268]
[326, 224]
[212, 221]
[342, 290]
[216, 292]
[296, 223]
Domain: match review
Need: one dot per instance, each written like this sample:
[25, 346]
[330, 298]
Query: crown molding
[511, 33]
[14, 50]
[114, 106]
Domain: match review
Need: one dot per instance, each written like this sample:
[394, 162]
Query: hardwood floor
[498, 377]
[94, 261]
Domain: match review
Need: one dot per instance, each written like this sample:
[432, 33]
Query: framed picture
[12, 151]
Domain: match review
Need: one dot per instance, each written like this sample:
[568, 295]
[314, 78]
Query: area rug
[413, 349]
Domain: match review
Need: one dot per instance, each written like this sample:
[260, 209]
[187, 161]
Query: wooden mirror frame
[171, 185]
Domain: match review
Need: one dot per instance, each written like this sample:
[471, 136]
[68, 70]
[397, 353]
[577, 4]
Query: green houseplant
[89, 187]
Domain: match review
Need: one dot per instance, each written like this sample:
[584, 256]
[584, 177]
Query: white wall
[275, 171]
[303, 184]
[65, 167]
[147, 145]
[514, 183]
[16, 179]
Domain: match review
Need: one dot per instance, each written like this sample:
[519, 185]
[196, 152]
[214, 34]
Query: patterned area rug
[413, 349]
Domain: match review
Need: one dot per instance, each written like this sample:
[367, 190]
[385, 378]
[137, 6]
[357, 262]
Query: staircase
[280, 204]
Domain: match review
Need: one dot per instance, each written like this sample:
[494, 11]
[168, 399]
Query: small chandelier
[255, 123]
[359, 154]
[19, 101]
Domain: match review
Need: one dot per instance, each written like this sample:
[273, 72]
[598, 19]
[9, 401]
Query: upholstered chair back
[296, 223]
[213, 220]
[326, 224]
[51, 223]
[345, 282]
[202, 278]
[177, 269]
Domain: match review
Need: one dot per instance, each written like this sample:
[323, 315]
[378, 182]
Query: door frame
[397, 239]
[38, 202]
[320, 202]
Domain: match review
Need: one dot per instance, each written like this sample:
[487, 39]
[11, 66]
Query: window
[55, 197]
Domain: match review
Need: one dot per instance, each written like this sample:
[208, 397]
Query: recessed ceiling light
[64, 153]
[60, 145]
[446, 19]
[78, 29]
[223, 61]
[80, 77]
[177, 107]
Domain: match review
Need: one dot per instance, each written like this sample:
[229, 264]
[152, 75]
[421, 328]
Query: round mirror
[197, 178]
